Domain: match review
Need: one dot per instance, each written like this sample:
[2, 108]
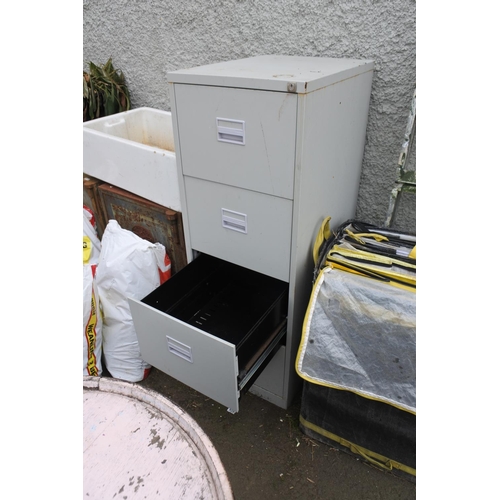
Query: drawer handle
[232, 131]
[179, 349]
[235, 221]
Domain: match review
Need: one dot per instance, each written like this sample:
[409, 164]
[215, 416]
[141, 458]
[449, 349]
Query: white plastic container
[139, 444]
[134, 150]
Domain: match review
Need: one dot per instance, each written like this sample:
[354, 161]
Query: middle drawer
[244, 227]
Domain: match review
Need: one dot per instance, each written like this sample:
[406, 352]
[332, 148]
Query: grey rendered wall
[150, 37]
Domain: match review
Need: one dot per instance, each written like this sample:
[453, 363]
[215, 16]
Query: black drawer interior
[233, 303]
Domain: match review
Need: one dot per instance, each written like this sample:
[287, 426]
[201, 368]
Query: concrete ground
[266, 456]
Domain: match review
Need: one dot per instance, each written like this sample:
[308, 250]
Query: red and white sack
[92, 319]
[129, 266]
[92, 324]
[91, 243]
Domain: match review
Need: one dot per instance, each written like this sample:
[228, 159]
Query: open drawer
[213, 326]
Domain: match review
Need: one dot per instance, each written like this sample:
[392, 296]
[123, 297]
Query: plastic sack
[92, 320]
[92, 325]
[129, 266]
[91, 243]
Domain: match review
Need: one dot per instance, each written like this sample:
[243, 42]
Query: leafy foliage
[104, 91]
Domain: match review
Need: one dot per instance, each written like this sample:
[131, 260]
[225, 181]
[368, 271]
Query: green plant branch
[105, 91]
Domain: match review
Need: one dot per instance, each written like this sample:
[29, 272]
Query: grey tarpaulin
[359, 334]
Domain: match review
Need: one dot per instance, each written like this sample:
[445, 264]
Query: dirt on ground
[266, 456]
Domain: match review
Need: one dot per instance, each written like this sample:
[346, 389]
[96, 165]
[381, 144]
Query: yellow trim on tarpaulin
[358, 393]
[359, 236]
[301, 351]
[371, 273]
[370, 456]
[324, 234]
[370, 256]
[307, 320]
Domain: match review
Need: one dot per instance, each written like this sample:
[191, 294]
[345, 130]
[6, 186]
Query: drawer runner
[254, 367]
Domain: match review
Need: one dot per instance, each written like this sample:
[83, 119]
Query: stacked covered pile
[358, 349]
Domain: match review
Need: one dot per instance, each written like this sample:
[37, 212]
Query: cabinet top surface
[274, 72]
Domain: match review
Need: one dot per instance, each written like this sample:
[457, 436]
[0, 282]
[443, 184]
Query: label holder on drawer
[229, 130]
[235, 221]
[179, 349]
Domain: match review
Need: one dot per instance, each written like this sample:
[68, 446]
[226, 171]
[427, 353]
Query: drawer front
[244, 227]
[195, 358]
[243, 138]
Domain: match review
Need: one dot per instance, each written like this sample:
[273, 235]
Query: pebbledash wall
[148, 38]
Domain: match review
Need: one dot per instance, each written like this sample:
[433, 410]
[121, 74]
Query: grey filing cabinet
[266, 148]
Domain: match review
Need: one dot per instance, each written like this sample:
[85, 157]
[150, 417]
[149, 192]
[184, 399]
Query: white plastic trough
[138, 444]
[134, 150]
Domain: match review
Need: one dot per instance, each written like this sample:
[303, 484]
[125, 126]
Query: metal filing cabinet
[266, 148]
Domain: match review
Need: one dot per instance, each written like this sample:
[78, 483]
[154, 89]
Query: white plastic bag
[129, 266]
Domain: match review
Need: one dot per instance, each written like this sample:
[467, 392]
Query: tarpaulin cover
[360, 335]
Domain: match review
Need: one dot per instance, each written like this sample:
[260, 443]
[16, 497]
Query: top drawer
[243, 138]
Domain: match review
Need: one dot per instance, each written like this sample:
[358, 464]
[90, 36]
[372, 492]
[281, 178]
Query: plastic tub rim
[175, 414]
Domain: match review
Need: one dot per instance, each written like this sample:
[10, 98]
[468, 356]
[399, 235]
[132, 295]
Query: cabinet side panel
[332, 126]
